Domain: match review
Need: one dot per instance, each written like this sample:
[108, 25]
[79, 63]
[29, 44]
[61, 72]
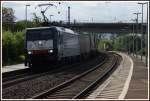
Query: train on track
[54, 44]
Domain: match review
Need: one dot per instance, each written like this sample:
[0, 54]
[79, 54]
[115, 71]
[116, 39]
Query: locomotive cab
[40, 45]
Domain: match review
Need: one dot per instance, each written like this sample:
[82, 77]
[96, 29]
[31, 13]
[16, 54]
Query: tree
[8, 18]
[13, 47]
[20, 25]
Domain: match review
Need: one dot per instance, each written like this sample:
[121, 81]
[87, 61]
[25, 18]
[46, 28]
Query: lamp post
[26, 16]
[133, 39]
[137, 14]
[146, 40]
[68, 16]
[142, 28]
[133, 35]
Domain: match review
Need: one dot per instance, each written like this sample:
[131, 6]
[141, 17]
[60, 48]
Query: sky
[81, 11]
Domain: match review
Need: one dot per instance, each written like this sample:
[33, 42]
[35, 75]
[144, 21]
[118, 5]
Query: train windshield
[42, 34]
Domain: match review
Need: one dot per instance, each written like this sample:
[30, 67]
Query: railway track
[80, 85]
[19, 76]
[35, 85]
[15, 74]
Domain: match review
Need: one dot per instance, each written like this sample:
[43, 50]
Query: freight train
[54, 44]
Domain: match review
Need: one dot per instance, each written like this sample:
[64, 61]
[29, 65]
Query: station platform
[138, 88]
[13, 68]
[129, 81]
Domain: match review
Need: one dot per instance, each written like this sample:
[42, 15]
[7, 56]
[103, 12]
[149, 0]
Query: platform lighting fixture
[137, 15]
[146, 31]
[134, 20]
[142, 25]
[26, 15]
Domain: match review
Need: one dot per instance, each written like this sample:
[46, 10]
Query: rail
[64, 84]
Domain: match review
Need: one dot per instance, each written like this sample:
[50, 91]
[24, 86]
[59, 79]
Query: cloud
[89, 3]
[80, 10]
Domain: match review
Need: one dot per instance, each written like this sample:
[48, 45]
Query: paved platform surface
[138, 88]
[139, 57]
[13, 68]
[127, 82]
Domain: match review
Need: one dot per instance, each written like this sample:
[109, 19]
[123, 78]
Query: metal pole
[133, 39]
[145, 33]
[26, 16]
[142, 33]
[128, 38]
[142, 29]
[146, 40]
[69, 16]
[137, 14]
[136, 36]
[128, 41]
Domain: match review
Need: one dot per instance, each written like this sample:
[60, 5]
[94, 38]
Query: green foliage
[21, 25]
[8, 18]
[119, 44]
[9, 23]
[21, 58]
[123, 43]
[13, 46]
[103, 42]
[142, 51]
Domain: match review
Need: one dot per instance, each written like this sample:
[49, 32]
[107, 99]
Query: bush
[12, 47]
[101, 43]
[142, 51]
[21, 58]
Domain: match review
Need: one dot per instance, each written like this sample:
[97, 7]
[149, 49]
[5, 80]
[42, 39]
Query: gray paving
[138, 88]
[13, 67]
[139, 57]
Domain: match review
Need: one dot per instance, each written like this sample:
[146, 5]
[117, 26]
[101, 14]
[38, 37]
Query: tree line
[13, 38]
[124, 43]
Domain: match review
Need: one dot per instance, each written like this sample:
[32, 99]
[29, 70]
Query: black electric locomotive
[54, 44]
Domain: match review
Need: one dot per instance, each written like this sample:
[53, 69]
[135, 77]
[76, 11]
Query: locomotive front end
[39, 46]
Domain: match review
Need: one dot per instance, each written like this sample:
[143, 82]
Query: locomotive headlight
[50, 51]
[40, 42]
[29, 52]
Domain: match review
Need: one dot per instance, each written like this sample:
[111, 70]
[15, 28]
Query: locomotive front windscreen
[43, 34]
[39, 39]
